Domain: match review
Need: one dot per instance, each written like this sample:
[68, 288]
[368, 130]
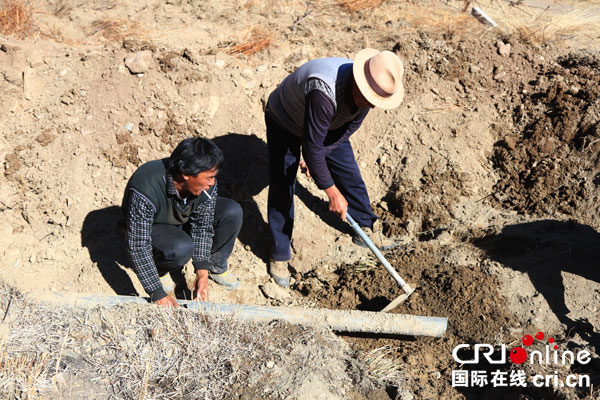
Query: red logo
[518, 355]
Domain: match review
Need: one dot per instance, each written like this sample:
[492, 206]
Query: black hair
[194, 155]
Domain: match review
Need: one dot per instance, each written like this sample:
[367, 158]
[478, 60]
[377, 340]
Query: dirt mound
[446, 286]
[462, 85]
[549, 164]
[449, 282]
[453, 281]
[424, 210]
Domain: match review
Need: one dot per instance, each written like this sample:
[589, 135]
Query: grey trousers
[172, 246]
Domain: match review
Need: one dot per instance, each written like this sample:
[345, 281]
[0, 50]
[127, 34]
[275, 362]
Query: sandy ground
[488, 169]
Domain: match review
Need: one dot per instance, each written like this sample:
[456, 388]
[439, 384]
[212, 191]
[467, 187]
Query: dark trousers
[172, 246]
[284, 158]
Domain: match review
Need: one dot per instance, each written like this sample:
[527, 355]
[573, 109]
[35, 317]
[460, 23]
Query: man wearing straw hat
[314, 111]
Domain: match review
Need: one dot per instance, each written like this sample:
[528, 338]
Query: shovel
[403, 285]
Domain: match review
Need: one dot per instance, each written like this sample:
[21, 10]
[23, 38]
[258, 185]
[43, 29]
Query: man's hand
[304, 169]
[337, 202]
[201, 285]
[167, 301]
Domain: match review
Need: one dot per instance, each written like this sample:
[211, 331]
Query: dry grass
[116, 30]
[418, 17]
[562, 21]
[359, 5]
[365, 264]
[256, 39]
[23, 375]
[16, 18]
[141, 351]
[53, 32]
[529, 24]
[442, 21]
[382, 368]
[543, 27]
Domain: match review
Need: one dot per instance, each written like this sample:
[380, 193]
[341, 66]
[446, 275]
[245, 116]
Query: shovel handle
[407, 289]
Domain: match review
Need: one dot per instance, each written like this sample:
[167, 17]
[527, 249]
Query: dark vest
[286, 104]
[150, 181]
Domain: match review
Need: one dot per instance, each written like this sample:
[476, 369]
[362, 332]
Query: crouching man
[173, 214]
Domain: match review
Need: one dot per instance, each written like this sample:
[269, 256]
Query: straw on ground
[16, 18]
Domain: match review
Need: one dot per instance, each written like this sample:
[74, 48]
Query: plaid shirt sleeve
[202, 231]
[140, 216]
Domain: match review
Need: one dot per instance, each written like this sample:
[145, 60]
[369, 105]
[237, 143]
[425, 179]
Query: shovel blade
[397, 301]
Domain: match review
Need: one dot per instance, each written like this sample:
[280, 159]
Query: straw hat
[378, 75]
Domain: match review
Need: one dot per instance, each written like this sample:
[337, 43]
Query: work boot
[279, 272]
[376, 236]
[167, 282]
[174, 283]
[227, 279]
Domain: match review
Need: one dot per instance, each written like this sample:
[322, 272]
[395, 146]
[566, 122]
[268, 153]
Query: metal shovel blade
[397, 301]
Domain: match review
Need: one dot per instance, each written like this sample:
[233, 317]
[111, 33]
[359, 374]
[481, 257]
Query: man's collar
[171, 191]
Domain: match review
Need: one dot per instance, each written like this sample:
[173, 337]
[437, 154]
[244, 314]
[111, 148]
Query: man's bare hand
[167, 301]
[304, 169]
[337, 202]
[201, 285]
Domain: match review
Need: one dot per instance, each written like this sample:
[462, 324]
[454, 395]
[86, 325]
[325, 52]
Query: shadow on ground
[105, 241]
[544, 249]
[244, 174]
